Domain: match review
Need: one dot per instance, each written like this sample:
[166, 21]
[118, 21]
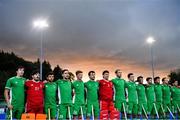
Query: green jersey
[158, 92]
[119, 89]
[166, 93]
[141, 93]
[64, 91]
[78, 97]
[17, 90]
[150, 94]
[92, 90]
[50, 93]
[131, 91]
[175, 93]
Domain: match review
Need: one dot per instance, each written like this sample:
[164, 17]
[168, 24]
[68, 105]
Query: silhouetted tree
[9, 62]
[57, 73]
[174, 75]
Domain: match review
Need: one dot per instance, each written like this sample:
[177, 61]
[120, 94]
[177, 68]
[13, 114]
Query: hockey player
[92, 88]
[50, 90]
[79, 96]
[64, 96]
[158, 94]
[14, 94]
[175, 94]
[142, 100]
[131, 96]
[166, 91]
[150, 96]
[119, 92]
[107, 109]
[35, 96]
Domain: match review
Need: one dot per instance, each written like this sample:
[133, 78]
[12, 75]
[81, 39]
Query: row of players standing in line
[99, 97]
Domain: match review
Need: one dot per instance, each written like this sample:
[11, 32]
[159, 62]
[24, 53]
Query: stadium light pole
[41, 24]
[150, 41]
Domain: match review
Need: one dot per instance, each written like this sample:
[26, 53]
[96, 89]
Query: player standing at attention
[79, 96]
[150, 96]
[107, 109]
[131, 96]
[65, 96]
[166, 91]
[92, 88]
[175, 94]
[50, 90]
[119, 92]
[158, 95]
[14, 94]
[142, 100]
[35, 95]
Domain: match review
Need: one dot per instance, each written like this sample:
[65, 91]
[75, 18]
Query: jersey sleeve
[112, 81]
[99, 81]
[73, 84]
[57, 82]
[27, 83]
[125, 84]
[43, 85]
[85, 84]
[98, 85]
[8, 84]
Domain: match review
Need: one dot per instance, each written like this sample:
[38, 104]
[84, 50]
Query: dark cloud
[109, 30]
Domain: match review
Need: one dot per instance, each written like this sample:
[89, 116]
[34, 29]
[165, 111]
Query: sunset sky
[95, 34]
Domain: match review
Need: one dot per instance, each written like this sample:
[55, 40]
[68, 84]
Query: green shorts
[119, 105]
[159, 108]
[150, 107]
[165, 105]
[65, 111]
[17, 111]
[79, 109]
[175, 106]
[93, 105]
[132, 108]
[52, 109]
[142, 108]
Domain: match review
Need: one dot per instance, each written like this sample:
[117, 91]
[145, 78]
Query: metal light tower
[41, 24]
[150, 41]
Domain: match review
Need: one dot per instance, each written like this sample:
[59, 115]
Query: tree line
[9, 62]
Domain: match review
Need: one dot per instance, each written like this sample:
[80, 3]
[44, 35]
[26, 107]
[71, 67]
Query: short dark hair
[78, 71]
[35, 72]
[105, 71]
[163, 79]
[49, 73]
[64, 70]
[19, 67]
[116, 71]
[129, 75]
[156, 78]
[91, 72]
[139, 77]
[148, 78]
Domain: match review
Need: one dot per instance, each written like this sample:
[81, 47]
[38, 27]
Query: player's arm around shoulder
[97, 84]
[112, 80]
[27, 83]
[126, 83]
[85, 84]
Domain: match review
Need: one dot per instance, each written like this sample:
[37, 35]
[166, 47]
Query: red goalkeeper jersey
[34, 91]
[105, 90]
